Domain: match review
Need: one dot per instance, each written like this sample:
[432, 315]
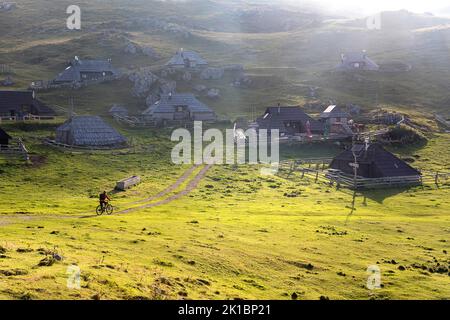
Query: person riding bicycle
[104, 198]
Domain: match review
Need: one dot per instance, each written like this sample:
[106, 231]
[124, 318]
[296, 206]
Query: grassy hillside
[237, 235]
[38, 45]
[227, 232]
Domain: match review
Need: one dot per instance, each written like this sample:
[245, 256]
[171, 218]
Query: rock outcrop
[213, 93]
[143, 80]
[212, 74]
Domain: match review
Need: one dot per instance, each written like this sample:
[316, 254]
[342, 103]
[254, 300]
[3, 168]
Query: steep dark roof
[168, 104]
[88, 131]
[73, 72]
[11, 99]
[14, 100]
[375, 162]
[4, 135]
[274, 118]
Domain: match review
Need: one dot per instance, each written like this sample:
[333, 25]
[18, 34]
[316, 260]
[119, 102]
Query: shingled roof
[169, 102]
[4, 137]
[88, 131]
[73, 72]
[374, 162]
[180, 56]
[276, 117]
[16, 100]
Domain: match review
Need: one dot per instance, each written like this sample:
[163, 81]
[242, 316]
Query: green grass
[239, 234]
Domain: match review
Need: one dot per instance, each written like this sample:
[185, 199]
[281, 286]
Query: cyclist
[104, 198]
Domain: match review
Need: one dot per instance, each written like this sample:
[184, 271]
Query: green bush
[405, 135]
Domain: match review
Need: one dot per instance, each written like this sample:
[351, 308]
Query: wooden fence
[6, 69]
[30, 117]
[69, 147]
[15, 149]
[348, 181]
[48, 85]
[318, 170]
[145, 122]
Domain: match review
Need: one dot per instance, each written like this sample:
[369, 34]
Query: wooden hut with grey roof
[372, 162]
[187, 60]
[357, 61]
[20, 103]
[289, 120]
[86, 70]
[89, 131]
[179, 107]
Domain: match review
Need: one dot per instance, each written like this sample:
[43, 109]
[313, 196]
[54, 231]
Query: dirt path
[169, 189]
[191, 186]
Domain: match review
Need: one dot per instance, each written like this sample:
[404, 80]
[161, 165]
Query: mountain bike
[106, 208]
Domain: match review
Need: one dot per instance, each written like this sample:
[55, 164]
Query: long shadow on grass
[383, 194]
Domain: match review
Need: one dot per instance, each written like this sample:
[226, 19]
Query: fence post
[317, 175]
[436, 178]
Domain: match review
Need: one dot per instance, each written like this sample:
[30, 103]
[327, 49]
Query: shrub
[405, 135]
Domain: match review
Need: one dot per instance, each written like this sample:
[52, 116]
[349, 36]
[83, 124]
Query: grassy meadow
[237, 234]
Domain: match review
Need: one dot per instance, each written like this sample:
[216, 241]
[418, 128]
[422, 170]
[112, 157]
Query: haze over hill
[296, 230]
[298, 45]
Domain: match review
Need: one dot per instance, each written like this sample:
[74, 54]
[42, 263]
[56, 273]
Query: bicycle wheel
[109, 209]
[99, 210]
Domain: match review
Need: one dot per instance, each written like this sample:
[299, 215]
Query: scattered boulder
[167, 86]
[118, 110]
[7, 6]
[234, 68]
[212, 74]
[47, 261]
[14, 272]
[157, 24]
[151, 99]
[213, 93]
[243, 81]
[130, 48]
[200, 88]
[143, 80]
[150, 52]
